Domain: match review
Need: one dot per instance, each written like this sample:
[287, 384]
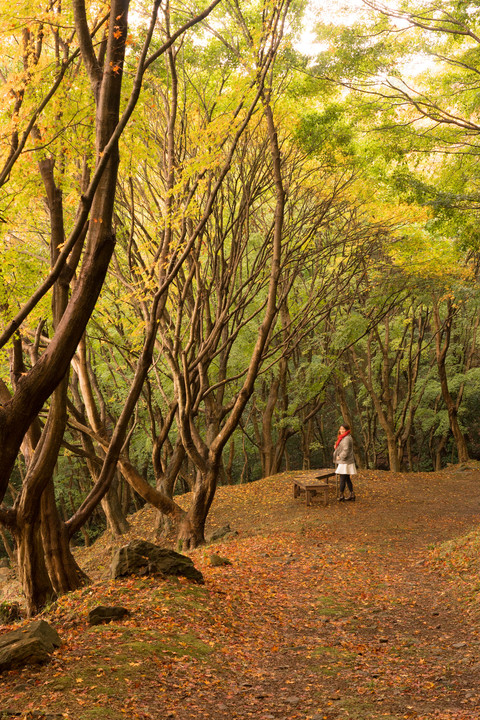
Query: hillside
[359, 610]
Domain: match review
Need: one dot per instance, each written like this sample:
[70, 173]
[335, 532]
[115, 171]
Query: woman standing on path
[344, 461]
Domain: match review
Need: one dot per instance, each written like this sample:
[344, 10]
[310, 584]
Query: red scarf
[340, 437]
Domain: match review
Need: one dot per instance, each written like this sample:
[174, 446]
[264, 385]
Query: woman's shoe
[341, 498]
[351, 497]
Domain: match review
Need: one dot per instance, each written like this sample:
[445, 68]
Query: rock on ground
[144, 558]
[106, 613]
[28, 645]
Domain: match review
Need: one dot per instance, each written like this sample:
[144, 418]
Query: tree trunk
[408, 446]
[229, 466]
[191, 530]
[268, 448]
[460, 442]
[117, 523]
[439, 451]
[63, 570]
[164, 524]
[33, 575]
[442, 344]
[8, 549]
[306, 436]
[166, 481]
[393, 458]
[28, 506]
[385, 418]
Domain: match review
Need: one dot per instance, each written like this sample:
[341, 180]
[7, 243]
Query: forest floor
[356, 611]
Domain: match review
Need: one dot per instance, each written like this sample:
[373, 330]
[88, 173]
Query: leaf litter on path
[326, 613]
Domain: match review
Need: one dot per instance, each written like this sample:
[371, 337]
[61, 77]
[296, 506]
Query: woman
[344, 460]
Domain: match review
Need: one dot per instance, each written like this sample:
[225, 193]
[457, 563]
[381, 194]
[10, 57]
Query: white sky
[335, 11]
[346, 12]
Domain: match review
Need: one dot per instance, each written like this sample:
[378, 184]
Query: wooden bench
[318, 485]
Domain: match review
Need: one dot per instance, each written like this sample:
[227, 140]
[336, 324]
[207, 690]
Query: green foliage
[348, 329]
[330, 130]
[354, 52]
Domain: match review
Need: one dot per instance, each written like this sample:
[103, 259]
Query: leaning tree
[64, 69]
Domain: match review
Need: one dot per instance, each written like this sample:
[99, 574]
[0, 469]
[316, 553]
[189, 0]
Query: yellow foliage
[419, 252]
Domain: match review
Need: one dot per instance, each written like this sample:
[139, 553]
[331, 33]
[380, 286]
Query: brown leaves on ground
[365, 610]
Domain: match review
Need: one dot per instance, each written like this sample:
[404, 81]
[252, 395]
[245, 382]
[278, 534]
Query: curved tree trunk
[50, 372]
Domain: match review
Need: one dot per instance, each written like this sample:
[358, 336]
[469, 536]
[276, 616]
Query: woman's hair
[346, 425]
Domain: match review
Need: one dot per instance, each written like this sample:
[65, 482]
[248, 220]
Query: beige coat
[343, 453]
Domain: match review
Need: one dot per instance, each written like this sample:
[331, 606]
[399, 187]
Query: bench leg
[325, 495]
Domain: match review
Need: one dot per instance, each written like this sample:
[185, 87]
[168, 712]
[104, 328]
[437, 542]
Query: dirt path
[365, 627]
[325, 613]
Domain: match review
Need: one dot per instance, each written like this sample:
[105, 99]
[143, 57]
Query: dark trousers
[345, 480]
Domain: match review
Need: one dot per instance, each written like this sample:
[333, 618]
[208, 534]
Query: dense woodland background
[215, 247]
